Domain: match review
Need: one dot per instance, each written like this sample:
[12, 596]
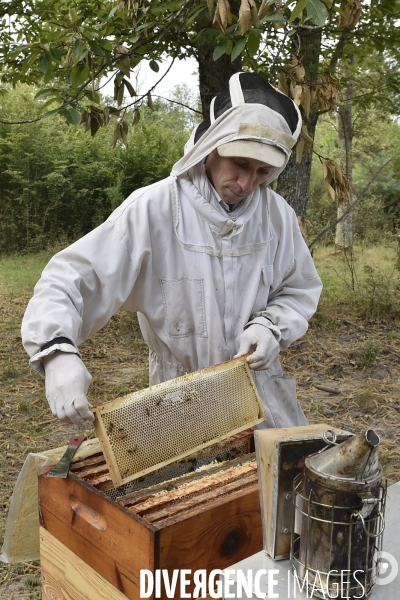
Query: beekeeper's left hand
[264, 345]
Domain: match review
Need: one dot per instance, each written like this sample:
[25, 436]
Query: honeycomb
[161, 424]
[210, 455]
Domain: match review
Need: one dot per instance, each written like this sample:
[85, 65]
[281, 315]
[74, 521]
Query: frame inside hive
[149, 429]
[177, 490]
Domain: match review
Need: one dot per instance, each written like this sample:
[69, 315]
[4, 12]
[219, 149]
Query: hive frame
[173, 395]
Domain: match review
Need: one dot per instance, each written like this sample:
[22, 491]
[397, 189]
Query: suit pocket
[279, 393]
[184, 307]
[266, 279]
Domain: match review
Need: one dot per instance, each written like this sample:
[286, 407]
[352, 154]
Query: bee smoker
[338, 518]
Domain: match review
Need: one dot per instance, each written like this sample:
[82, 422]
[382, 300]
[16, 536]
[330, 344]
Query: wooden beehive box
[175, 485]
[176, 517]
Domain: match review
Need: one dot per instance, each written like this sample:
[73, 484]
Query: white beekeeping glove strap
[67, 382]
[263, 342]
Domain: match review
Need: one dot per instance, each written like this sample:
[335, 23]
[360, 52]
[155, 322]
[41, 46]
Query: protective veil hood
[251, 109]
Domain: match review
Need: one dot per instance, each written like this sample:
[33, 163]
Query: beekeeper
[211, 259]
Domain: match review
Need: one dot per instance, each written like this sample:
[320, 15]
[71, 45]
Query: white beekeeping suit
[196, 273]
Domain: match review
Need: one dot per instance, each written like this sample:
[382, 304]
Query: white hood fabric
[196, 274]
[243, 121]
[227, 129]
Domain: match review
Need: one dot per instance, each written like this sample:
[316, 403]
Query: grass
[19, 274]
[367, 354]
[365, 284]
[335, 268]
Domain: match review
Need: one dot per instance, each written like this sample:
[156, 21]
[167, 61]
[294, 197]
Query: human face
[235, 178]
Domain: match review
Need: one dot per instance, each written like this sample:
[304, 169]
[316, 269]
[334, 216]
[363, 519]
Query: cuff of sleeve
[36, 360]
[265, 322]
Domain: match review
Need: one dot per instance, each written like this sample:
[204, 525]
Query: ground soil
[347, 375]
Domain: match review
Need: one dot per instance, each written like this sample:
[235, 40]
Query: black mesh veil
[255, 90]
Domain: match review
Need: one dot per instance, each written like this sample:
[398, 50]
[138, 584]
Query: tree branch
[346, 212]
[140, 98]
[179, 103]
[20, 122]
[338, 51]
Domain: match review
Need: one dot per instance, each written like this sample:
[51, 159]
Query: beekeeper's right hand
[67, 382]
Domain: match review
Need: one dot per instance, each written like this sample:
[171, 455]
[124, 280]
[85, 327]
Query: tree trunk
[344, 229]
[294, 181]
[214, 75]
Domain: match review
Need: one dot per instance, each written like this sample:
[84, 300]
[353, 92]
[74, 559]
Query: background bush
[56, 182]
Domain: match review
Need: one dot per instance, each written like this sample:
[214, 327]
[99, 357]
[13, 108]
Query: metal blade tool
[62, 467]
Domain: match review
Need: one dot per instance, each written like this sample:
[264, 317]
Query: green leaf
[106, 44]
[78, 50]
[44, 93]
[79, 75]
[230, 29]
[71, 115]
[44, 63]
[50, 113]
[16, 52]
[49, 75]
[109, 60]
[317, 12]
[158, 10]
[95, 47]
[56, 53]
[51, 101]
[339, 11]
[147, 25]
[94, 97]
[253, 42]
[52, 35]
[275, 18]
[112, 12]
[238, 49]
[221, 49]
[154, 66]
[298, 9]
[194, 16]
[73, 14]
[32, 58]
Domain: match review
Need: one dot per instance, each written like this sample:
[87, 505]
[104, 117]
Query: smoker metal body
[280, 457]
[338, 518]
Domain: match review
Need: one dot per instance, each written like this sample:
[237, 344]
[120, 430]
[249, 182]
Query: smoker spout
[372, 438]
[355, 459]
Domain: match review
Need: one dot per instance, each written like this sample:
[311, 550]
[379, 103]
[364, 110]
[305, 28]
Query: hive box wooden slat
[65, 576]
[116, 542]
